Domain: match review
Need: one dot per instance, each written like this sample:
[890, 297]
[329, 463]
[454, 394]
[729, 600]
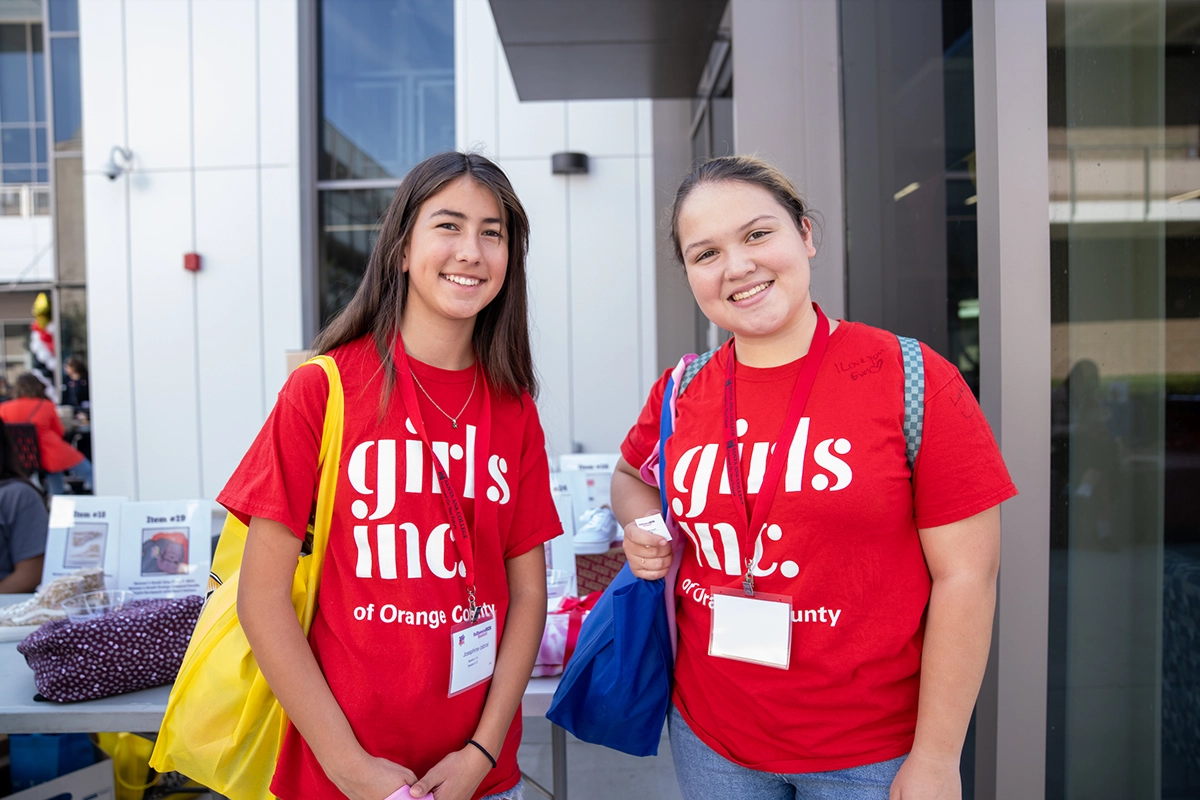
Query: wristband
[482, 750]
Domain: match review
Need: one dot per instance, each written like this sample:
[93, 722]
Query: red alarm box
[191, 262]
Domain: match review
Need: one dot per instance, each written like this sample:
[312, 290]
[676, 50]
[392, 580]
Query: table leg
[558, 758]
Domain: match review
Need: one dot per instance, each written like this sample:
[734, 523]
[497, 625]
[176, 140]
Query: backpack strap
[691, 369]
[914, 396]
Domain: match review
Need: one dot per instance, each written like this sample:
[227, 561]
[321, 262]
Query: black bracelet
[482, 750]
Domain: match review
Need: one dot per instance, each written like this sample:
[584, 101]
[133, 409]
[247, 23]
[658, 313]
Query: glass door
[1123, 709]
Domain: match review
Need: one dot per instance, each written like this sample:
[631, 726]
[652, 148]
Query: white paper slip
[654, 524]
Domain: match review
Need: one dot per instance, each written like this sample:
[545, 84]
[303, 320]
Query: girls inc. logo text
[382, 550]
[700, 463]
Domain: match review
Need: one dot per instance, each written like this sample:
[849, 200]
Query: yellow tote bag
[223, 726]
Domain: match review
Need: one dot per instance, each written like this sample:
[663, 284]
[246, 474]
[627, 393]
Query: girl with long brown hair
[433, 595]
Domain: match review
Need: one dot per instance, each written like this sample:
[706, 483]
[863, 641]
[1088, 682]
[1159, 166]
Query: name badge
[472, 654]
[756, 629]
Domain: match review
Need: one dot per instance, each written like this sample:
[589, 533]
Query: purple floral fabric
[140, 646]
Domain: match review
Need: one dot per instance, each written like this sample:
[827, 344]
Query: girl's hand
[649, 556]
[924, 778]
[371, 778]
[455, 777]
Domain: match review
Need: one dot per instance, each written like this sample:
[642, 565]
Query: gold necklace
[454, 419]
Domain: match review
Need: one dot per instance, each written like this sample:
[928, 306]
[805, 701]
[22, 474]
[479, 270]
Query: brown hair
[10, 465]
[29, 385]
[501, 333]
[746, 169]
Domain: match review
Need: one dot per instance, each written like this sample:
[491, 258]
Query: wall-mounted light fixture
[119, 162]
[569, 163]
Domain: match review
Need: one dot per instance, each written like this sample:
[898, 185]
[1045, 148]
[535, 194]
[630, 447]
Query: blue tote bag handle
[666, 426]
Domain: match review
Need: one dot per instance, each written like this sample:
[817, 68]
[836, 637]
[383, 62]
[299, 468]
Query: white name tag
[472, 654]
[755, 629]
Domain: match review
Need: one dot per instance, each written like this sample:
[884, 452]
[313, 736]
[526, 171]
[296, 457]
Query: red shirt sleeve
[959, 471]
[642, 438]
[535, 520]
[277, 479]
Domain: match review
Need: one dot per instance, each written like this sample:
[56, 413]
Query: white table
[143, 711]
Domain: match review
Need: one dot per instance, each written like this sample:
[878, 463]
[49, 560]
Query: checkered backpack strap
[914, 396]
[691, 369]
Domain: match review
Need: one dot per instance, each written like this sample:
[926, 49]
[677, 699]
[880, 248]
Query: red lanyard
[779, 453]
[458, 520]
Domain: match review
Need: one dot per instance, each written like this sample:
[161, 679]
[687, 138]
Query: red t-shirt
[841, 541]
[390, 590]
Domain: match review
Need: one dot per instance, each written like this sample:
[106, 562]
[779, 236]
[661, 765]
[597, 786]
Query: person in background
[75, 390]
[23, 525]
[57, 457]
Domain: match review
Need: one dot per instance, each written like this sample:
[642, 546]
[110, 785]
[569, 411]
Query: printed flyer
[84, 532]
[590, 478]
[560, 551]
[166, 548]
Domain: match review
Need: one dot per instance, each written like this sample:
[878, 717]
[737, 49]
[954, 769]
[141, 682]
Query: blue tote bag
[616, 688]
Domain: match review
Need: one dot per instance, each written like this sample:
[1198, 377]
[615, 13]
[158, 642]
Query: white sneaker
[596, 531]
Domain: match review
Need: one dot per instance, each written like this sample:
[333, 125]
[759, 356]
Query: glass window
[39, 141]
[387, 85]
[909, 127]
[64, 15]
[72, 316]
[14, 74]
[349, 223]
[15, 145]
[1123, 701]
[39, 75]
[17, 175]
[10, 202]
[68, 118]
[16, 352]
[40, 198]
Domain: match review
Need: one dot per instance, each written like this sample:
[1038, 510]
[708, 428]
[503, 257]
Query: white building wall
[185, 366]
[26, 249]
[591, 260]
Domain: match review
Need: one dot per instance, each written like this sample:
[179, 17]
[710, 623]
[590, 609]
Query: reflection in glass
[908, 98]
[1123, 704]
[68, 115]
[387, 86]
[349, 222]
[14, 74]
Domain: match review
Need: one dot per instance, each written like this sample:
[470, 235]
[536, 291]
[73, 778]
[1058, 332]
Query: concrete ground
[597, 773]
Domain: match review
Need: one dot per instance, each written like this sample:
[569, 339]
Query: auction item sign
[84, 532]
[166, 548]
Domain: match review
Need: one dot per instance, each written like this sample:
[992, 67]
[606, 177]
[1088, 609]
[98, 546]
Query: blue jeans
[55, 483]
[703, 774]
[515, 793]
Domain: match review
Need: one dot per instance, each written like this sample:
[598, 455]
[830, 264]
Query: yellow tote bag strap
[330, 461]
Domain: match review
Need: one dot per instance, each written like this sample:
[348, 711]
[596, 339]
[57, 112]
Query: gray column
[787, 110]
[1014, 293]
